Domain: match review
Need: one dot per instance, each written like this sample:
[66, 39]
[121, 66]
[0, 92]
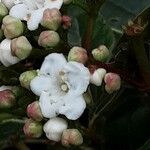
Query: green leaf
[118, 12]
[10, 127]
[102, 33]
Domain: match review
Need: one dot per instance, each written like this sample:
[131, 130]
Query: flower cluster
[60, 85]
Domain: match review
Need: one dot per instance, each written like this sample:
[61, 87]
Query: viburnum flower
[60, 85]
[32, 10]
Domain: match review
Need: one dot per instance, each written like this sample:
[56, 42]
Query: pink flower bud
[66, 21]
[34, 111]
[71, 136]
[48, 39]
[32, 129]
[21, 47]
[113, 82]
[78, 54]
[7, 99]
[12, 27]
[51, 19]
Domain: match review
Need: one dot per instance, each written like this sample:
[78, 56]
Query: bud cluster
[18, 18]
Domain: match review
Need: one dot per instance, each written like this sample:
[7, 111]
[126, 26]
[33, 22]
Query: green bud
[3, 11]
[48, 39]
[71, 136]
[32, 129]
[21, 47]
[26, 77]
[51, 19]
[12, 27]
[78, 54]
[101, 53]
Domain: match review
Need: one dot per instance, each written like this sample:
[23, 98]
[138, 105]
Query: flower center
[63, 79]
[64, 87]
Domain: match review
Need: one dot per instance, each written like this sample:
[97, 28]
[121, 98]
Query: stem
[105, 108]
[22, 146]
[93, 12]
[87, 39]
[137, 46]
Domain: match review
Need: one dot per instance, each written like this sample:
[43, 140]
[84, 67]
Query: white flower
[60, 85]
[54, 128]
[32, 10]
[6, 58]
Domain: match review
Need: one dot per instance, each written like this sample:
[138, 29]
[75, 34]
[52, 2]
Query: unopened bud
[12, 27]
[113, 82]
[78, 54]
[21, 47]
[101, 53]
[32, 129]
[66, 21]
[26, 77]
[3, 11]
[71, 136]
[67, 1]
[7, 99]
[87, 97]
[34, 111]
[54, 128]
[51, 19]
[48, 39]
[98, 76]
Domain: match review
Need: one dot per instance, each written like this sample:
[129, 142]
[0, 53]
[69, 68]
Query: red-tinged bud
[48, 39]
[51, 19]
[78, 54]
[7, 99]
[113, 82]
[71, 137]
[34, 111]
[66, 21]
[21, 47]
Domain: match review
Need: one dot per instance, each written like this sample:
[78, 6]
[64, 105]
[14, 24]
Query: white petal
[8, 3]
[2, 60]
[6, 53]
[54, 128]
[19, 11]
[34, 19]
[53, 4]
[73, 106]
[49, 105]
[41, 83]
[53, 63]
[78, 77]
